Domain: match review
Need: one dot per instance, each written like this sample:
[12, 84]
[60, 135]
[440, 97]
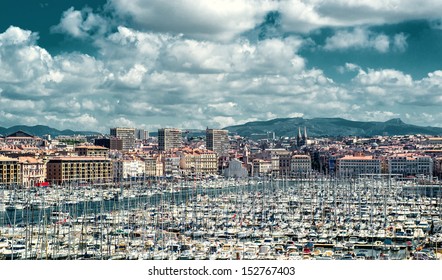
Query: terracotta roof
[29, 160]
[3, 158]
[91, 147]
[348, 157]
[79, 158]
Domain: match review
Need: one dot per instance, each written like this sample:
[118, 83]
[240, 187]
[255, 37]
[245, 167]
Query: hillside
[40, 130]
[330, 127]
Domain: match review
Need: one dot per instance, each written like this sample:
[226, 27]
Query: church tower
[299, 138]
[304, 138]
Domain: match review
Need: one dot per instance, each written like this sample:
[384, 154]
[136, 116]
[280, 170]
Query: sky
[92, 65]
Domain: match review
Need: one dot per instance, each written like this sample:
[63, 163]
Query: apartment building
[127, 168]
[300, 165]
[198, 162]
[127, 135]
[169, 138]
[410, 164]
[10, 171]
[217, 140]
[350, 166]
[79, 169]
[261, 167]
[153, 166]
[91, 151]
[33, 171]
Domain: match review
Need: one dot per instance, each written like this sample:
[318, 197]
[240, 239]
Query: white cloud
[220, 19]
[400, 42]
[134, 77]
[378, 116]
[362, 38]
[307, 15]
[121, 122]
[81, 24]
[384, 77]
[392, 90]
[352, 67]
[138, 79]
[14, 36]
[23, 65]
[85, 121]
[295, 115]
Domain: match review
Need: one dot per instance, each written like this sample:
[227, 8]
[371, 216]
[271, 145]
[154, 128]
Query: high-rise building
[112, 143]
[217, 140]
[127, 135]
[141, 134]
[169, 138]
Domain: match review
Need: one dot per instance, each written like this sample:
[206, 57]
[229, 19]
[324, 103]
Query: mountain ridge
[40, 130]
[288, 127]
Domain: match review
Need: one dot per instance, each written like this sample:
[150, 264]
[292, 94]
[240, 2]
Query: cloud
[217, 19]
[384, 77]
[295, 115]
[308, 15]
[145, 78]
[23, 65]
[134, 77]
[15, 36]
[400, 42]
[378, 116]
[122, 122]
[393, 89]
[362, 38]
[177, 54]
[223, 121]
[81, 24]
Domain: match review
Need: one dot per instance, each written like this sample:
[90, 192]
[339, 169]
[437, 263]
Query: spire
[299, 137]
[305, 134]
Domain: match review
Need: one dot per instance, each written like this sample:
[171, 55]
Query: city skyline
[193, 64]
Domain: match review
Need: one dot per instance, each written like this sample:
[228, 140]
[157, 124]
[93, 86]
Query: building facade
[261, 167]
[91, 151]
[33, 171]
[10, 171]
[79, 169]
[235, 169]
[127, 135]
[198, 162]
[141, 134]
[300, 165]
[410, 164]
[153, 166]
[351, 166]
[171, 164]
[217, 140]
[169, 138]
[126, 169]
[112, 143]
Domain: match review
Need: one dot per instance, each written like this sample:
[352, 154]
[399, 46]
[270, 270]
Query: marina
[369, 218]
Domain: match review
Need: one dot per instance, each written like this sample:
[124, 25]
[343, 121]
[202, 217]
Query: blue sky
[192, 63]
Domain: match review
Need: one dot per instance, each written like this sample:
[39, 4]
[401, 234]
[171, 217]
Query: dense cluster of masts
[370, 217]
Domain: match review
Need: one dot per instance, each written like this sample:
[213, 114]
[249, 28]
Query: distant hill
[40, 130]
[330, 127]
